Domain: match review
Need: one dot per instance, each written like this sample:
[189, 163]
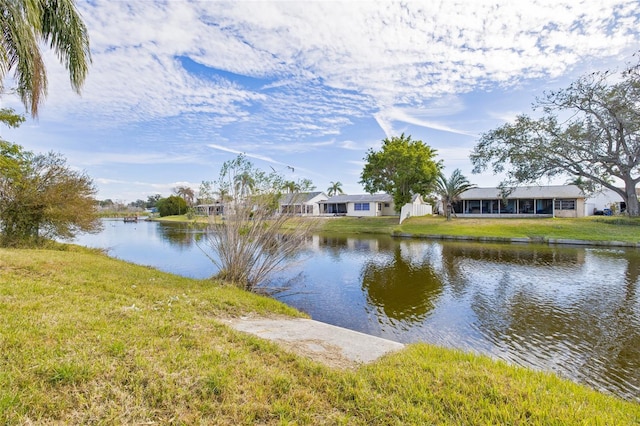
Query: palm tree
[244, 184]
[334, 189]
[223, 195]
[27, 23]
[450, 189]
[186, 193]
[291, 186]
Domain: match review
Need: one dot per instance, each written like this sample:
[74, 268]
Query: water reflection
[400, 289]
[568, 310]
[530, 254]
[571, 332]
[571, 310]
[337, 245]
[180, 234]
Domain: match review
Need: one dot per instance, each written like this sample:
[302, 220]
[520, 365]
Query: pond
[574, 311]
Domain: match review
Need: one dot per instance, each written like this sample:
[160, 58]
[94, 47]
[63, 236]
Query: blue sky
[178, 87]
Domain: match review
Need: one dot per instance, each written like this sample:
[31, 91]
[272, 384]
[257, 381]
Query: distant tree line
[117, 206]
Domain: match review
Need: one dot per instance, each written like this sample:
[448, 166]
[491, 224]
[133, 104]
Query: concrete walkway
[334, 346]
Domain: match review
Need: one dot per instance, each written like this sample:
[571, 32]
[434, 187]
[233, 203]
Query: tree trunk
[633, 207]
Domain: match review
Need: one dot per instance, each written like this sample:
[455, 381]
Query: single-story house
[358, 205]
[212, 209]
[302, 203]
[524, 201]
[417, 207]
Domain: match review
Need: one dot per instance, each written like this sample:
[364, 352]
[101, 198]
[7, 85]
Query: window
[490, 206]
[525, 206]
[507, 206]
[565, 204]
[361, 206]
[544, 206]
[473, 206]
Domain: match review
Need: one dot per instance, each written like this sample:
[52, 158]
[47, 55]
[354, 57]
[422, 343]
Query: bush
[171, 206]
[253, 241]
[41, 197]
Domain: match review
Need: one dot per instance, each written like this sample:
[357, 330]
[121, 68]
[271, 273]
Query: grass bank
[593, 228]
[600, 228]
[86, 339]
[589, 228]
[358, 225]
[183, 218]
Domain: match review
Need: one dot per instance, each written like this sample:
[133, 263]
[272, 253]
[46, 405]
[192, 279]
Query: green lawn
[85, 339]
[358, 225]
[595, 228]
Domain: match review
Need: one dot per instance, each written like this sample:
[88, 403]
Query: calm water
[571, 310]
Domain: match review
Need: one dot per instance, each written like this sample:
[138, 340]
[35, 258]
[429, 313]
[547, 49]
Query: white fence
[411, 209]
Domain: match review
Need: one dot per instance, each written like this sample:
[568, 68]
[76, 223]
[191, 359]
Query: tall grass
[85, 339]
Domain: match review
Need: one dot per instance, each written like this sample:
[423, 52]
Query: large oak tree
[590, 131]
[402, 168]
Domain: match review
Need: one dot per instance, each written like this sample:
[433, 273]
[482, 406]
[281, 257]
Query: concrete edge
[521, 240]
[319, 340]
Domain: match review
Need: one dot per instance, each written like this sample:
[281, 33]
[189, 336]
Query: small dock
[131, 219]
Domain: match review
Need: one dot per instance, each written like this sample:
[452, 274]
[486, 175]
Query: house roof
[300, 197]
[360, 198]
[553, 191]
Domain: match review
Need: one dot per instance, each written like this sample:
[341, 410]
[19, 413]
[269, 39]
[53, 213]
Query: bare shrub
[252, 238]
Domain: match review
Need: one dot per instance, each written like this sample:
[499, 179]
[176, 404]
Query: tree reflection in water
[181, 235]
[400, 289]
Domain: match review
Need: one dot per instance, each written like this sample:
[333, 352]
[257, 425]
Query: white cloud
[85, 159]
[284, 81]
[419, 118]
[392, 52]
[247, 154]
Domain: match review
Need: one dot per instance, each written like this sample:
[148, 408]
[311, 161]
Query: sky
[177, 87]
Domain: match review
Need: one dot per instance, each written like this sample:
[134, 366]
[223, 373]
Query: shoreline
[360, 226]
[520, 240]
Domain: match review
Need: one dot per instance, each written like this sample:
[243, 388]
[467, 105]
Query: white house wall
[578, 212]
[373, 210]
[316, 209]
[351, 210]
[389, 211]
[602, 200]
[315, 202]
